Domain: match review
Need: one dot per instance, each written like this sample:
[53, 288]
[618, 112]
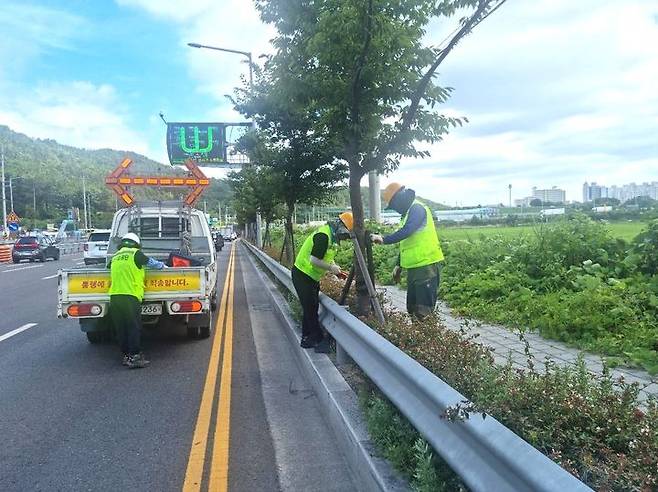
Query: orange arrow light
[116, 181]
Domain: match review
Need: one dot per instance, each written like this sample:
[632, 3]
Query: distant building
[593, 191]
[554, 195]
[462, 215]
[523, 202]
[622, 193]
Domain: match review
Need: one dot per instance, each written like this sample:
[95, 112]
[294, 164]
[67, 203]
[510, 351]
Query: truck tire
[95, 337]
[201, 328]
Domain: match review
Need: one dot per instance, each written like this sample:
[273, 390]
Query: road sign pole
[4, 194]
[84, 200]
[11, 193]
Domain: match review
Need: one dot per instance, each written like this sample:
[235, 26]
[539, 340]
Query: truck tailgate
[94, 284]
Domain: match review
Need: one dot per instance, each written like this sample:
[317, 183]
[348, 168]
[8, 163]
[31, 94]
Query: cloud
[232, 24]
[30, 30]
[557, 92]
[78, 113]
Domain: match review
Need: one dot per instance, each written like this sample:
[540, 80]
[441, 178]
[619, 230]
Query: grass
[621, 230]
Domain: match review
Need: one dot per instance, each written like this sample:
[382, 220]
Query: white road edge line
[17, 331]
[49, 277]
[22, 268]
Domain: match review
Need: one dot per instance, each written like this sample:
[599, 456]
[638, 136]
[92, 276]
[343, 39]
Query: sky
[556, 92]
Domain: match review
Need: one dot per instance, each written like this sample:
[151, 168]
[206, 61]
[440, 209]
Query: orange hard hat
[390, 191]
[348, 219]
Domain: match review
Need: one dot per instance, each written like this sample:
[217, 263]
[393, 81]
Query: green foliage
[403, 446]
[570, 281]
[590, 425]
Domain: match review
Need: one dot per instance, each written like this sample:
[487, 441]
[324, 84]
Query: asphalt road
[211, 414]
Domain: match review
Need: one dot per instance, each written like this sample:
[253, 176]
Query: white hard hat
[131, 236]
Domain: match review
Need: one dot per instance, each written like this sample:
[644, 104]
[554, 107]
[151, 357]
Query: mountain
[53, 173]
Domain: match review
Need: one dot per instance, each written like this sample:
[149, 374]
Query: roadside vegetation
[572, 281]
[593, 426]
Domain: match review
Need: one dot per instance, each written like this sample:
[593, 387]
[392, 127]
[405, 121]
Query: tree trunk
[266, 238]
[289, 240]
[356, 173]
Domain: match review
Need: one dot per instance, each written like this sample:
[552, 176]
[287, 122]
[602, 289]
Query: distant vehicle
[34, 248]
[95, 249]
[219, 241]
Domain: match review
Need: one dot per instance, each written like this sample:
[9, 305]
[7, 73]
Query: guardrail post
[342, 357]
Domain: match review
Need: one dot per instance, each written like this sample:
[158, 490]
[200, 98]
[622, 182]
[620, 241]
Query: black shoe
[137, 361]
[126, 359]
[322, 347]
[308, 342]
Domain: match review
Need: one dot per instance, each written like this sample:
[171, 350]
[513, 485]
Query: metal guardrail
[483, 452]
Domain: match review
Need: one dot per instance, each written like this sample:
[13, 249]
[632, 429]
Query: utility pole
[89, 210]
[4, 194]
[374, 196]
[34, 205]
[11, 193]
[84, 201]
[510, 196]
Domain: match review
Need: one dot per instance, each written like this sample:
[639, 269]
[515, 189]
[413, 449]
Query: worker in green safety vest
[315, 258]
[127, 271]
[420, 250]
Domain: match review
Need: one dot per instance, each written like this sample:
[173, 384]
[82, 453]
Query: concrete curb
[338, 402]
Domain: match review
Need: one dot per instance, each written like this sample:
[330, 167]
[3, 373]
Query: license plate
[102, 248]
[152, 309]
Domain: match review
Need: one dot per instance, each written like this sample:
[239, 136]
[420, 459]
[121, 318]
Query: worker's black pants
[422, 290]
[308, 291]
[126, 312]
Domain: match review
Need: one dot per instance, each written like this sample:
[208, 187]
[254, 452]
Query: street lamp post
[237, 52]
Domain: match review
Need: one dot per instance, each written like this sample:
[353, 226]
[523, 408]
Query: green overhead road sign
[209, 144]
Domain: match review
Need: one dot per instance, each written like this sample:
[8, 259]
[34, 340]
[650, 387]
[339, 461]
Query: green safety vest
[422, 248]
[303, 260]
[127, 278]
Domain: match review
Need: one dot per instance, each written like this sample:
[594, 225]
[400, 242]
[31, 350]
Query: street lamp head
[194, 45]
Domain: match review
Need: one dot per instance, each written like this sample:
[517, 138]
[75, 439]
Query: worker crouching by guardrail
[315, 258]
[420, 250]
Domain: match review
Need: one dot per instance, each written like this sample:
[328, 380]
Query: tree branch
[410, 113]
[355, 92]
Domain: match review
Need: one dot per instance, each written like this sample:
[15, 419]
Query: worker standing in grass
[315, 258]
[420, 250]
[128, 270]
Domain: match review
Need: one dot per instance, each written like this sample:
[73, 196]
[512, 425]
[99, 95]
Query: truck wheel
[95, 336]
[204, 331]
[193, 332]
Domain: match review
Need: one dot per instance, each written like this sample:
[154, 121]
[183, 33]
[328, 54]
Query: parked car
[95, 249]
[34, 248]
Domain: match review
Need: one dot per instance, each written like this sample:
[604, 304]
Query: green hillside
[54, 173]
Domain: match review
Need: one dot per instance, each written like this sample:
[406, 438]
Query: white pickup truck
[183, 294]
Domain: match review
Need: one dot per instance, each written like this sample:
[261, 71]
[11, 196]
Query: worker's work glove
[335, 269]
[397, 274]
[377, 238]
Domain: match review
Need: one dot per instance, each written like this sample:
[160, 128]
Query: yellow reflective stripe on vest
[127, 278]
[303, 260]
[422, 248]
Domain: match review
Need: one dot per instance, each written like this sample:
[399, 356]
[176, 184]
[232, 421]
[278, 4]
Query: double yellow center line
[218, 470]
